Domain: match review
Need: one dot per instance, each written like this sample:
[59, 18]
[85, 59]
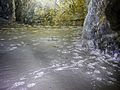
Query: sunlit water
[51, 58]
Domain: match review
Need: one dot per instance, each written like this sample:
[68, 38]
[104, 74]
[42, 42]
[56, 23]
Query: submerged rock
[97, 33]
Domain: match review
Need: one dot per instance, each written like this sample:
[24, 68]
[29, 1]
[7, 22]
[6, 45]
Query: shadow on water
[51, 58]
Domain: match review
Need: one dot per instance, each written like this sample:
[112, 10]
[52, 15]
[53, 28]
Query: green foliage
[71, 12]
[65, 12]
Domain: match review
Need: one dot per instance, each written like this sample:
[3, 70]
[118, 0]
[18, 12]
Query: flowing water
[51, 58]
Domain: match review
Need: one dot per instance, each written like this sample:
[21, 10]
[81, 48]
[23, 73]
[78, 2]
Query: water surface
[51, 58]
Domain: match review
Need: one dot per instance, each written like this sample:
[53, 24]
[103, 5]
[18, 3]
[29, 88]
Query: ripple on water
[65, 51]
[31, 85]
[2, 39]
[16, 84]
[12, 48]
[93, 64]
[38, 75]
[22, 78]
[97, 72]
[60, 68]
[90, 66]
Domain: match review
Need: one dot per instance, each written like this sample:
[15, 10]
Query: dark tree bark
[12, 9]
[7, 9]
[19, 10]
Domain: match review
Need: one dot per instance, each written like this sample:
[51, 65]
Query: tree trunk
[12, 5]
[19, 10]
[7, 9]
[97, 33]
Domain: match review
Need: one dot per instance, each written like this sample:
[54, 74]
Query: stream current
[52, 58]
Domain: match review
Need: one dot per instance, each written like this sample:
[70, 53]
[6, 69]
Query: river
[52, 58]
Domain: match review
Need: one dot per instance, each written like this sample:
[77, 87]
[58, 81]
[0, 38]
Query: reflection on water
[45, 58]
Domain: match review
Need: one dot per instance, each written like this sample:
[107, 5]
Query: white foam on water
[31, 85]
[39, 74]
[13, 48]
[99, 79]
[97, 72]
[16, 84]
[23, 78]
